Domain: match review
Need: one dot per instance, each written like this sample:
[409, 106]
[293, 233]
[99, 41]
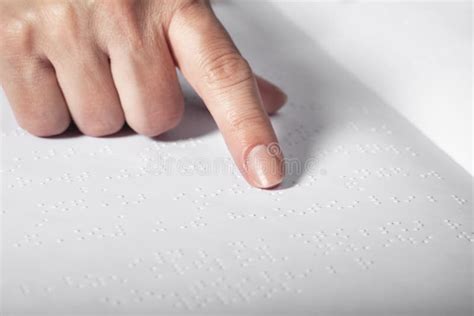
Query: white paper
[379, 222]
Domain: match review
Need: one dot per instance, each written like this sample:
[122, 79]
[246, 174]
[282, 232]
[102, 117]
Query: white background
[417, 55]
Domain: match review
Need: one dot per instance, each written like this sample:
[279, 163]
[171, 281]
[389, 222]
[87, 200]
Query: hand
[104, 62]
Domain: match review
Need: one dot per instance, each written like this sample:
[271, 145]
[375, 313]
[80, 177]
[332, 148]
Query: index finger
[214, 67]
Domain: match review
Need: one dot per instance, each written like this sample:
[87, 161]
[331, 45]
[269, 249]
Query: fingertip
[264, 166]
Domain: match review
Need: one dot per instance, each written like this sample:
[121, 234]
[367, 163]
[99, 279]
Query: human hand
[103, 62]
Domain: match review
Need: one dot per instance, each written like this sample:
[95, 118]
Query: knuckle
[63, 11]
[243, 120]
[68, 27]
[226, 70]
[16, 36]
[154, 124]
[126, 25]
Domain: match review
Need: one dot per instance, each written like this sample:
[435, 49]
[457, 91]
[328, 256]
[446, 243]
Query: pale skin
[101, 63]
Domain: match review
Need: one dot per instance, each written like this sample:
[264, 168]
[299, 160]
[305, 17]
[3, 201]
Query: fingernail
[264, 165]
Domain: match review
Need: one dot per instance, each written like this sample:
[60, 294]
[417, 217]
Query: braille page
[372, 218]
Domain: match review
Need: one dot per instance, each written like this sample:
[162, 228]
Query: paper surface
[379, 221]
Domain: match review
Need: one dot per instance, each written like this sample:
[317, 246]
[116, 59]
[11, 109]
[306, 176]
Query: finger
[89, 90]
[35, 97]
[213, 66]
[148, 87]
[273, 97]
